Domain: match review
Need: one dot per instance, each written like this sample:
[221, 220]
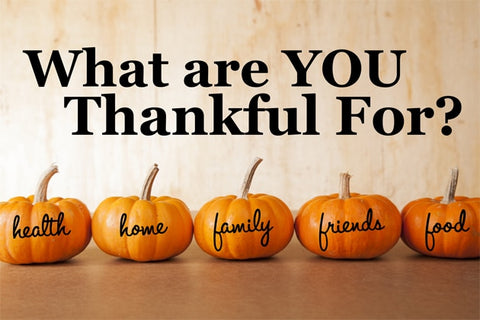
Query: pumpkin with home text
[247, 226]
[36, 230]
[446, 227]
[348, 225]
[144, 228]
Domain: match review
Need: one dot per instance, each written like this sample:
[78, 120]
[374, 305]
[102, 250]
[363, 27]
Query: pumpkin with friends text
[348, 225]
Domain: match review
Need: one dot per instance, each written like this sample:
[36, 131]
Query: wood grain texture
[294, 284]
[441, 39]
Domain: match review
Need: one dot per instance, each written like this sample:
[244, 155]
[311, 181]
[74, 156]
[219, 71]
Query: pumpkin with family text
[348, 225]
[447, 227]
[35, 229]
[144, 228]
[248, 226]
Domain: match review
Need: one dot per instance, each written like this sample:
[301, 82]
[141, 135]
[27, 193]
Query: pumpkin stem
[147, 185]
[344, 192]
[449, 196]
[247, 181]
[41, 191]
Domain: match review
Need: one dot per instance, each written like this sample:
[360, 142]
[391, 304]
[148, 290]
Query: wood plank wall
[442, 58]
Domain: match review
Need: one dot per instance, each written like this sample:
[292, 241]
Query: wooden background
[441, 39]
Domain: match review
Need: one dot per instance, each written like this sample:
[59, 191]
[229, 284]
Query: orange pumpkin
[348, 225]
[37, 230]
[143, 229]
[447, 226]
[249, 226]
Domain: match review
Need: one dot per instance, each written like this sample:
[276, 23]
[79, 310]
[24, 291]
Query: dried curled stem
[147, 185]
[344, 188]
[449, 196]
[247, 181]
[41, 191]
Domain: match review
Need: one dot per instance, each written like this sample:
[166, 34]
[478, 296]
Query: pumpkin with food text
[247, 226]
[446, 227]
[348, 225]
[143, 229]
[36, 230]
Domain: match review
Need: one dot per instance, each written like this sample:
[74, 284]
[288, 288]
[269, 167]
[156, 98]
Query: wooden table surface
[294, 284]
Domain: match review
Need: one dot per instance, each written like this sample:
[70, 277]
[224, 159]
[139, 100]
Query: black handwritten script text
[143, 230]
[254, 225]
[447, 227]
[345, 227]
[50, 227]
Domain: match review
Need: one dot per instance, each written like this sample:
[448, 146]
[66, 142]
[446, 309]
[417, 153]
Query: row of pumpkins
[147, 228]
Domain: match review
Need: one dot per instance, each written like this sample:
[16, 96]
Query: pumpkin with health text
[348, 225]
[37, 230]
[143, 229]
[447, 227]
[247, 226]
